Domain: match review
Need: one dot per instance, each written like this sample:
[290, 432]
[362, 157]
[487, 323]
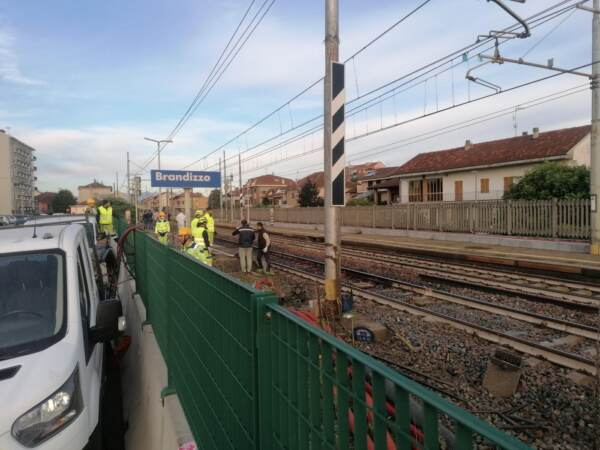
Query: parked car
[53, 329]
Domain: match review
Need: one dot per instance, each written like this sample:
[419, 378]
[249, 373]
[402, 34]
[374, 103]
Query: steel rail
[524, 284]
[559, 357]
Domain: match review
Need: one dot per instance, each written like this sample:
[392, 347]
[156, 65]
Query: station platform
[568, 262]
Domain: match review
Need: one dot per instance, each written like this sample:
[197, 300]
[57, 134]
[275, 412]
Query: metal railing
[252, 375]
[568, 219]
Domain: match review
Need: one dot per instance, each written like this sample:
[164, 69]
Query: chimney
[468, 144]
[524, 133]
[536, 133]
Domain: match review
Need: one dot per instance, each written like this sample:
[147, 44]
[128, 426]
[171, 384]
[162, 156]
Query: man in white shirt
[180, 219]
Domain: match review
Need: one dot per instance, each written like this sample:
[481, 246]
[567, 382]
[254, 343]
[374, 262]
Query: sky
[85, 82]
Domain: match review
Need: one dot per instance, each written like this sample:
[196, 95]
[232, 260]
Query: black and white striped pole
[334, 158]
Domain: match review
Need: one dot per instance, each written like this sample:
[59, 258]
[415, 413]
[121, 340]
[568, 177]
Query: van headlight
[50, 416]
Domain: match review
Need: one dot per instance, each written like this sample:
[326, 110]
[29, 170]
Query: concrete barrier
[153, 423]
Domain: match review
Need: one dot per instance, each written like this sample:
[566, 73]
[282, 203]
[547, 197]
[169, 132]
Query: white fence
[542, 218]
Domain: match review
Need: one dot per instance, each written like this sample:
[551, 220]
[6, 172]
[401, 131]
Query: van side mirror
[109, 321]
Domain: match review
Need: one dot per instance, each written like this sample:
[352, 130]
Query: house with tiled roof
[280, 191]
[354, 174]
[477, 171]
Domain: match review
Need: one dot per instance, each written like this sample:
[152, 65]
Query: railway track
[362, 285]
[560, 291]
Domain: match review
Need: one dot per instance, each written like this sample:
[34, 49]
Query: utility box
[503, 373]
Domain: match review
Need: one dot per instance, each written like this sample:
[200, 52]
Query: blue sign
[184, 179]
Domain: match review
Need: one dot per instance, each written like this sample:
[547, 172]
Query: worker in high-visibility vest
[194, 223]
[91, 207]
[197, 246]
[105, 214]
[210, 225]
[162, 228]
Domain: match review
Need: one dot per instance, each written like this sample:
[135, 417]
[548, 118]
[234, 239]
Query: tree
[551, 180]
[309, 195]
[63, 200]
[214, 199]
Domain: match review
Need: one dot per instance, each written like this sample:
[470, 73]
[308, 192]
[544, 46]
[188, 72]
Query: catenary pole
[595, 133]
[225, 183]
[332, 220]
[128, 181]
[240, 175]
[221, 188]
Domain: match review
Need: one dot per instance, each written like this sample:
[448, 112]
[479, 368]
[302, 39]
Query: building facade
[17, 176]
[259, 188]
[95, 190]
[355, 186]
[483, 171]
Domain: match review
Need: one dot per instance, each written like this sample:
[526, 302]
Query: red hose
[389, 406]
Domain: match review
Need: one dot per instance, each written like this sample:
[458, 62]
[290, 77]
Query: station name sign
[184, 179]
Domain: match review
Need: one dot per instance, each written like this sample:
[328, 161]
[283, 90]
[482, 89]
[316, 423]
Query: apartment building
[17, 176]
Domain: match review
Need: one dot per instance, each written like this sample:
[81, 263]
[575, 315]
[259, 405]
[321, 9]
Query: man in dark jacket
[245, 235]
[264, 242]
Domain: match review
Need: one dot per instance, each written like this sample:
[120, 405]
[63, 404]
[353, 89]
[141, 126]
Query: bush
[552, 180]
[360, 202]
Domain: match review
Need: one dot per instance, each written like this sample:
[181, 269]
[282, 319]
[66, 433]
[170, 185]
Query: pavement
[531, 258]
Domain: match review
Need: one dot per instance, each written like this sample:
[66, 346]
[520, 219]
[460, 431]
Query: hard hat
[199, 212]
[91, 201]
[184, 231]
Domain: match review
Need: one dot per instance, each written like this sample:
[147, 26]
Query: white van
[53, 326]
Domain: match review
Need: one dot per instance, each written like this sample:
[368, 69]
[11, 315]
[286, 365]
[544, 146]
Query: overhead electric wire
[413, 119]
[215, 66]
[384, 148]
[353, 111]
[536, 20]
[312, 85]
[219, 68]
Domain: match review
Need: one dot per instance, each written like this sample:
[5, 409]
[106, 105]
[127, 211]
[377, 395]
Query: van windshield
[32, 306]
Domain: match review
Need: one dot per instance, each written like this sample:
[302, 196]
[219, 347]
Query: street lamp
[158, 143]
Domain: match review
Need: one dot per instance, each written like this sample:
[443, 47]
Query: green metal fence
[252, 375]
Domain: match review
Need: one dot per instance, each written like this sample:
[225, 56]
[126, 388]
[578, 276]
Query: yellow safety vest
[196, 230]
[198, 235]
[105, 215]
[210, 223]
[162, 226]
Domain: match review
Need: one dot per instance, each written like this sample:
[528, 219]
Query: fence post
[471, 217]
[554, 217]
[373, 217]
[392, 210]
[169, 389]
[509, 217]
[263, 405]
